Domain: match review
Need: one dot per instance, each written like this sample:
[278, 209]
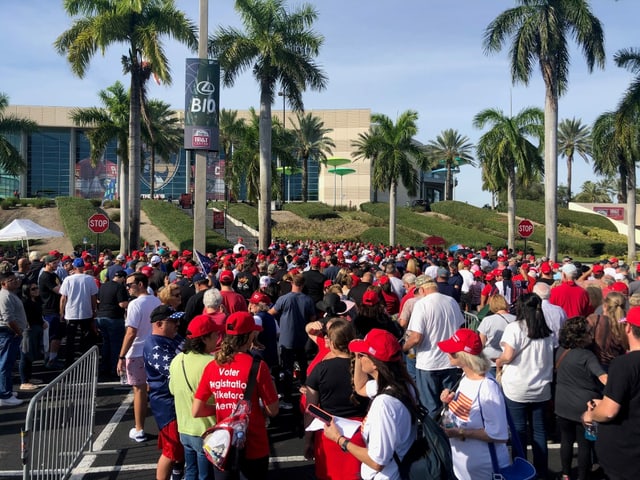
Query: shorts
[136, 374]
[169, 442]
[57, 329]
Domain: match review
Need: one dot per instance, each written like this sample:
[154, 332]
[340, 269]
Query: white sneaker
[285, 405]
[137, 435]
[10, 402]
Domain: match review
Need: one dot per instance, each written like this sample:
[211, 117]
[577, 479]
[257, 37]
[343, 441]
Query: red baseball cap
[202, 325]
[620, 287]
[379, 344]
[259, 297]
[464, 340]
[633, 316]
[315, 261]
[226, 276]
[239, 323]
[545, 268]
[370, 298]
[597, 268]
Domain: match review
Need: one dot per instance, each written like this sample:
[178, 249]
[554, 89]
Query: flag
[205, 262]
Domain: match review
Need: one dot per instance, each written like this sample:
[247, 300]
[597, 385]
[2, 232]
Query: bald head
[542, 290]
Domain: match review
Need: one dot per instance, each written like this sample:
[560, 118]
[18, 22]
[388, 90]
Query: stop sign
[98, 223]
[525, 228]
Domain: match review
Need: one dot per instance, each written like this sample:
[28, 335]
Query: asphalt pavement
[115, 456]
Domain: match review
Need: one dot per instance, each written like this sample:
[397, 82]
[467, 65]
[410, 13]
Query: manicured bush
[311, 210]
[74, 214]
[178, 226]
[244, 212]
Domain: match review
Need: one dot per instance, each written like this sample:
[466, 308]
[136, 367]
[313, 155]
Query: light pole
[284, 127]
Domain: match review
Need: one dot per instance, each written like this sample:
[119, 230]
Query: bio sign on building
[202, 96]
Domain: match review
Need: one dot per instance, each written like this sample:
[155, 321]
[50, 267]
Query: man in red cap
[233, 301]
[314, 280]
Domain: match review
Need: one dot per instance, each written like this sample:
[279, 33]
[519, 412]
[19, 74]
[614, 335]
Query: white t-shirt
[139, 317]
[467, 280]
[436, 317]
[528, 377]
[471, 458]
[387, 428]
[78, 288]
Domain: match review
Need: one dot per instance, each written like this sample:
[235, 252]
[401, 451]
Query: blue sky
[386, 55]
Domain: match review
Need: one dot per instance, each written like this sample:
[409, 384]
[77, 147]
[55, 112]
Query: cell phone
[318, 413]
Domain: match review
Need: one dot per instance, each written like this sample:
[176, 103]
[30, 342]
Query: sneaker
[10, 402]
[28, 387]
[35, 381]
[285, 405]
[137, 435]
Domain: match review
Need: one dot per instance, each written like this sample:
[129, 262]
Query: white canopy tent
[24, 230]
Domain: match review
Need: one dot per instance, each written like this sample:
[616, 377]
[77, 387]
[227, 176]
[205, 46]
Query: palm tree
[11, 162]
[541, 30]
[231, 131]
[311, 140]
[140, 26]
[394, 156]
[106, 123]
[573, 138]
[593, 192]
[451, 150]
[280, 47]
[616, 148]
[505, 151]
[163, 135]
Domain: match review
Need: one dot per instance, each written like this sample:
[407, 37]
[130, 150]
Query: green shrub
[244, 212]
[178, 226]
[74, 214]
[96, 202]
[112, 204]
[5, 204]
[311, 210]
[41, 202]
[115, 216]
[535, 211]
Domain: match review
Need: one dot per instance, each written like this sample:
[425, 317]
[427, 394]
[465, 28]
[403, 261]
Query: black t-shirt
[576, 382]
[245, 283]
[618, 444]
[110, 295]
[314, 284]
[332, 380]
[50, 300]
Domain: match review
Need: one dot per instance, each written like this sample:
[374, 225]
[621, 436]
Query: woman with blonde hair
[413, 267]
[171, 295]
[492, 327]
[609, 338]
[476, 412]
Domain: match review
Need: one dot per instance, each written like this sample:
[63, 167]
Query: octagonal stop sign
[525, 228]
[98, 223]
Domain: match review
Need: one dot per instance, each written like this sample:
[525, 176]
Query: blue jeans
[196, 465]
[410, 362]
[521, 413]
[9, 346]
[430, 384]
[112, 331]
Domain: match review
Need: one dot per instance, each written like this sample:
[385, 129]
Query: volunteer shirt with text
[227, 383]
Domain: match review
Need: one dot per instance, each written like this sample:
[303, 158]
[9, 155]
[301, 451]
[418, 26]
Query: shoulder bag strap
[186, 379]
[564, 354]
[251, 381]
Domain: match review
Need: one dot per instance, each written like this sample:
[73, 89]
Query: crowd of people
[366, 332]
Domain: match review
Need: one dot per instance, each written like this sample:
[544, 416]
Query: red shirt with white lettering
[226, 383]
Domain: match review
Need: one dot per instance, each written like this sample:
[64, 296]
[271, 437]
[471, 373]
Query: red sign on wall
[614, 213]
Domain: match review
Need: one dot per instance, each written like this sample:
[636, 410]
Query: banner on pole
[202, 98]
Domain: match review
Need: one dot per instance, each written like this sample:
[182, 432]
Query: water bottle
[123, 378]
[591, 431]
[448, 420]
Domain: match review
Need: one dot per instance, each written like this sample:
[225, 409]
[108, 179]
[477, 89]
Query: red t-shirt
[226, 383]
[233, 302]
[572, 298]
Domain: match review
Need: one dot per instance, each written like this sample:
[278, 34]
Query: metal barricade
[60, 419]
[471, 321]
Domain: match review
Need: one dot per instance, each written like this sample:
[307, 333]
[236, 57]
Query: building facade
[59, 164]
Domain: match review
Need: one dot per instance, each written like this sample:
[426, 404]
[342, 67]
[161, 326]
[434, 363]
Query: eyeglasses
[129, 285]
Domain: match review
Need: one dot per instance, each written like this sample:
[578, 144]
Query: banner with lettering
[202, 99]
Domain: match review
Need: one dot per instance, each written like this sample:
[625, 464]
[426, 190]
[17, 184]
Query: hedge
[74, 214]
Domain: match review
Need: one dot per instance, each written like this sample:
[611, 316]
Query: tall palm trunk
[569, 164]
[152, 173]
[305, 177]
[511, 209]
[393, 193]
[264, 198]
[134, 160]
[447, 194]
[551, 171]
[123, 188]
[631, 216]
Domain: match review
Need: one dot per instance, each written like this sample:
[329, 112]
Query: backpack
[223, 442]
[429, 457]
